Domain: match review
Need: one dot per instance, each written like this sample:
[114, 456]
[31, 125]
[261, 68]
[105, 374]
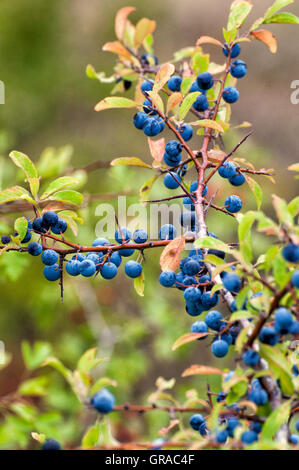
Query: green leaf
[100, 383]
[239, 11]
[71, 218]
[68, 197]
[89, 361]
[54, 161]
[57, 364]
[34, 186]
[275, 420]
[210, 242]
[34, 355]
[280, 366]
[91, 437]
[256, 190]
[240, 315]
[209, 123]
[23, 161]
[139, 285]
[146, 188]
[101, 76]
[133, 161]
[24, 411]
[277, 5]
[280, 270]
[20, 227]
[293, 206]
[186, 84]
[246, 223]
[115, 102]
[15, 193]
[187, 104]
[58, 184]
[283, 17]
[281, 209]
[200, 62]
[34, 387]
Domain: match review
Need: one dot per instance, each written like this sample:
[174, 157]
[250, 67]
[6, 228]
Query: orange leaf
[170, 256]
[117, 48]
[174, 100]
[157, 148]
[208, 40]
[267, 38]
[187, 338]
[201, 370]
[121, 20]
[163, 75]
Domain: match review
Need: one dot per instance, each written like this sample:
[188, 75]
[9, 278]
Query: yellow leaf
[133, 161]
[163, 75]
[267, 38]
[208, 123]
[156, 100]
[208, 40]
[187, 338]
[115, 102]
[144, 27]
[170, 256]
[174, 100]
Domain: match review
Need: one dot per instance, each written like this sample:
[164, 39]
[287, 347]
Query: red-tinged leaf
[208, 40]
[187, 338]
[267, 38]
[172, 424]
[170, 256]
[115, 102]
[201, 370]
[156, 100]
[163, 75]
[117, 48]
[144, 27]
[174, 100]
[121, 20]
[157, 148]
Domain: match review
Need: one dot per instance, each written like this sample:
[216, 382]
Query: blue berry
[191, 267]
[59, 227]
[196, 421]
[5, 239]
[133, 269]
[149, 59]
[167, 232]
[214, 320]
[294, 439]
[167, 278]
[295, 278]
[151, 127]
[251, 358]
[148, 107]
[194, 87]
[237, 180]
[78, 257]
[199, 327]
[103, 401]
[238, 69]
[294, 330]
[186, 131]
[258, 396]
[188, 203]
[221, 436]
[233, 203]
[232, 424]
[140, 236]
[139, 120]
[227, 170]
[236, 49]
[248, 437]
[170, 180]
[122, 235]
[291, 253]
[268, 336]
[192, 294]
[173, 148]
[232, 282]
[49, 218]
[221, 397]
[255, 426]
[283, 320]
[49, 257]
[52, 273]
[172, 161]
[109, 270]
[115, 258]
[205, 81]
[297, 425]
[34, 248]
[194, 186]
[73, 267]
[27, 237]
[174, 83]
[220, 348]
[127, 251]
[230, 94]
[201, 103]
[208, 300]
[51, 444]
[87, 268]
[37, 225]
[100, 242]
[94, 257]
[188, 219]
[146, 85]
[194, 308]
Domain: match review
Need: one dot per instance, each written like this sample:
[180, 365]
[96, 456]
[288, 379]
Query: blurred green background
[44, 49]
